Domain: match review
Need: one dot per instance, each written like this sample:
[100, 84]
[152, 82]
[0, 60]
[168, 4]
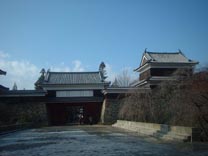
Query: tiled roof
[20, 93]
[3, 88]
[2, 72]
[176, 57]
[72, 78]
[165, 58]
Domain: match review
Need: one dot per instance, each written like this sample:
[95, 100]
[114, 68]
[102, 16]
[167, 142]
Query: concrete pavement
[95, 140]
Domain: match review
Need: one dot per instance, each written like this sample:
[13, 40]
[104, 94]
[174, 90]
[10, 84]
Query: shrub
[183, 102]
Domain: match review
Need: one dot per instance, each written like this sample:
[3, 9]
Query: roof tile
[73, 78]
[177, 57]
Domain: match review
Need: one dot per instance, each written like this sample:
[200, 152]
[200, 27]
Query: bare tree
[136, 107]
[183, 102]
[123, 79]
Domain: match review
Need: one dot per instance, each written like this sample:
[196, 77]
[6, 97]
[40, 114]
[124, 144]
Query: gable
[144, 60]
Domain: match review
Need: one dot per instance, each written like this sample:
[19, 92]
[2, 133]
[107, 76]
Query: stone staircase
[161, 131]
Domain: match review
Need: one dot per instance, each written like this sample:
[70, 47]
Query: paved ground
[89, 141]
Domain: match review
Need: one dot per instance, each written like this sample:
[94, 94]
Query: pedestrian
[81, 117]
[90, 120]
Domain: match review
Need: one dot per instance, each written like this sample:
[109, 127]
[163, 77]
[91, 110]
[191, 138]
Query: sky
[76, 35]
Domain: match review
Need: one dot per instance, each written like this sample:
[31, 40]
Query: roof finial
[14, 86]
[179, 50]
[48, 70]
[145, 50]
[42, 71]
[102, 71]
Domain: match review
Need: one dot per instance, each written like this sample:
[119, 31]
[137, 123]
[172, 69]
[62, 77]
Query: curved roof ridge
[85, 72]
[163, 52]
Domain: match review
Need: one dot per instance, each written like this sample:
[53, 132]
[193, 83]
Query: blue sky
[76, 35]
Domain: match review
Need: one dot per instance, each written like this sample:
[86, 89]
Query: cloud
[25, 74]
[22, 72]
[4, 55]
[77, 66]
[60, 69]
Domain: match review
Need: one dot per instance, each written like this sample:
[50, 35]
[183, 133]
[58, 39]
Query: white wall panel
[85, 93]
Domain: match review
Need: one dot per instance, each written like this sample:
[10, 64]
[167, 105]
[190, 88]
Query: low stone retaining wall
[11, 128]
[162, 131]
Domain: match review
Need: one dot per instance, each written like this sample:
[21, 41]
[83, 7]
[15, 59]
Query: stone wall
[110, 110]
[17, 111]
[161, 131]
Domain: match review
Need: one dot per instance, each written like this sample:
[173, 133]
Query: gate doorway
[68, 113]
[74, 114]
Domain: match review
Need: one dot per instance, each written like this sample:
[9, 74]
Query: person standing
[90, 120]
[81, 117]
